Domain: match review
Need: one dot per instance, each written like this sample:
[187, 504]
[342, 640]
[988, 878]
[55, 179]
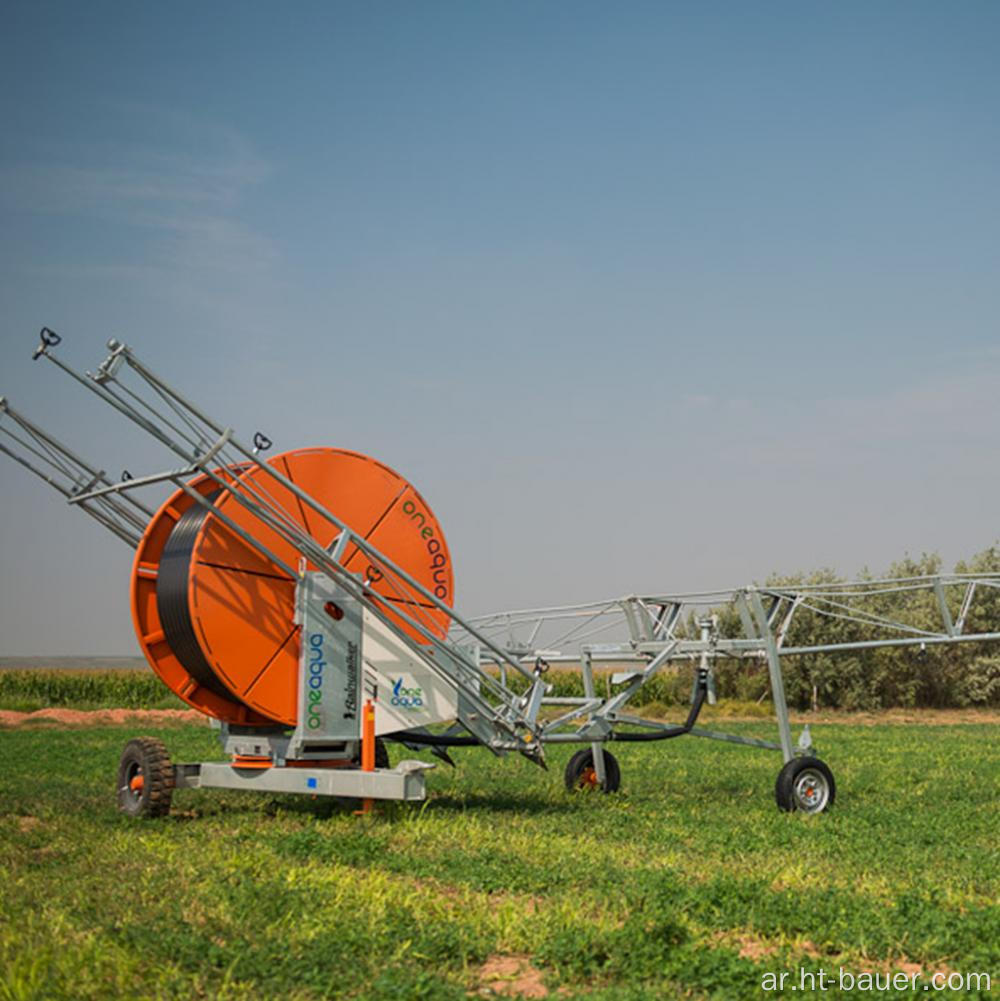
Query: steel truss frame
[656, 632]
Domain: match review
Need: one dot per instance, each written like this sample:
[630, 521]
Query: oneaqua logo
[407, 698]
[317, 664]
[439, 560]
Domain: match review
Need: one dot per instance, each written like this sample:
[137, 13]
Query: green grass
[651, 893]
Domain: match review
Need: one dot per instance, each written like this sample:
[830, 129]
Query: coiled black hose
[172, 598]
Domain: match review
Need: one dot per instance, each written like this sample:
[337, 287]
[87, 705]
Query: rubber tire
[583, 760]
[148, 757]
[784, 786]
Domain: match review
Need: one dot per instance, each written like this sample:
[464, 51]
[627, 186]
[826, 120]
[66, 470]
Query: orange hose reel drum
[242, 605]
[193, 682]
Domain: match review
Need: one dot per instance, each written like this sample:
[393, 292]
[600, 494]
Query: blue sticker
[311, 783]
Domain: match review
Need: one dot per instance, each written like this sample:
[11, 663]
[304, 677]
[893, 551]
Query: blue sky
[641, 296]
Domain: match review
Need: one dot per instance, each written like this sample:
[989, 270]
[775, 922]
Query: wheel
[805, 784]
[581, 773]
[145, 778]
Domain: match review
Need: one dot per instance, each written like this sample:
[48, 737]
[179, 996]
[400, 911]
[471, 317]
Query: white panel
[409, 694]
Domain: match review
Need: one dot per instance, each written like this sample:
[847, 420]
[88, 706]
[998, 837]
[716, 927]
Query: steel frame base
[404, 782]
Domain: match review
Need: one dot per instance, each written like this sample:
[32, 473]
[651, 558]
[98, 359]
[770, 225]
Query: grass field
[689, 883]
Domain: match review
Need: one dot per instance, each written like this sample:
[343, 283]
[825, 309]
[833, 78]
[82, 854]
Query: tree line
[939, 676]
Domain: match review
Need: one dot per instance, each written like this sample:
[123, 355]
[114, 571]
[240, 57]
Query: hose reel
[216, 618]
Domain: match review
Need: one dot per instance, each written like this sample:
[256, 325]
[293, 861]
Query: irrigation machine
[304, 603]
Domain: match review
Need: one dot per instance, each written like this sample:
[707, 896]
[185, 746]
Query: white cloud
[185, 187]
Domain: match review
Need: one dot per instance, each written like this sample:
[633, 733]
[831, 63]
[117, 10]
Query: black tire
[581, 774]
[145, 778]
[805, 784]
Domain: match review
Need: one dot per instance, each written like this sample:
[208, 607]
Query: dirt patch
[757, 948]
[926, 717]
[902, 965]
[943, 717]
[512, 976]
[753, 948]
[747, 945]
[98, 717]
[27, 823]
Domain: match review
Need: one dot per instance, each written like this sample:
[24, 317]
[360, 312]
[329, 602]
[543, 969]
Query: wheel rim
[811, 791]
[134, 782]
[588, 778]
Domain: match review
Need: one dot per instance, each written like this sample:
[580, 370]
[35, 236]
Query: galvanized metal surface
[404, 782]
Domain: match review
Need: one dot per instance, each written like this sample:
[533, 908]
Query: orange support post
[367, 747]
[368, 737]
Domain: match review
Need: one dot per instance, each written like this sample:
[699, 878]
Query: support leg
[777, 681]
[596, 746]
